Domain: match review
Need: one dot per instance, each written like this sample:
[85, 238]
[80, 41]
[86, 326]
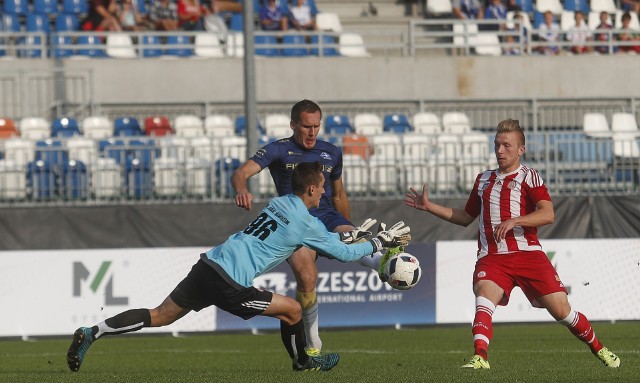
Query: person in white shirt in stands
[579, 35]
[301, 16]
[549, 32]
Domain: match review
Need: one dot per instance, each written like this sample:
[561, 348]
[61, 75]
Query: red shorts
[530, 270]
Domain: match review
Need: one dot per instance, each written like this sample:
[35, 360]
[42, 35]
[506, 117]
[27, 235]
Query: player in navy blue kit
[224, 275]
[281, 157]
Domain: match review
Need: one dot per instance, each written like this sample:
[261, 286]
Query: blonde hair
[511, 125]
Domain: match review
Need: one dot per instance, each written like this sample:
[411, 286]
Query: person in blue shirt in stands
[271, 17]
[281, 157]
[223, 276]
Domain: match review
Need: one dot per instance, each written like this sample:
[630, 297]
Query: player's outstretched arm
[239, 179]
[421, 201]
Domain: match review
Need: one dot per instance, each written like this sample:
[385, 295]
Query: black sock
[128, 321]
[294, 341]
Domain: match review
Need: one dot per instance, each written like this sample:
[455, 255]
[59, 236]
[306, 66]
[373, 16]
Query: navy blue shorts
[330, 218]
[205, 286]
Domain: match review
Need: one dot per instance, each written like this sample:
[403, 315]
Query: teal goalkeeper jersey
[283, 226]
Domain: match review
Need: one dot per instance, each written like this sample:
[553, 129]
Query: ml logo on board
[82, 275]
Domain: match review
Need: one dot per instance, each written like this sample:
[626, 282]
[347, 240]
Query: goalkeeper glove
[359, 233]
[397, 235]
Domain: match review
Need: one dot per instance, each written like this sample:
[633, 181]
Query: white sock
[310, 320]
[371, 261]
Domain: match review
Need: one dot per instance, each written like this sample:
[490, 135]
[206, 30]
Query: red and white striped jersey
[499, 197]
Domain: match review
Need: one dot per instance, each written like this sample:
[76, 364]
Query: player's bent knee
[307, 300]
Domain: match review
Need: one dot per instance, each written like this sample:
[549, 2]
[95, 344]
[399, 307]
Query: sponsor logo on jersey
[512, 185]
[326, 156]
[482, 274]
[261, 153]
[293, 153]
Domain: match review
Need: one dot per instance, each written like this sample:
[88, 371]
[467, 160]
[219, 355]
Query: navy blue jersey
[282, 156]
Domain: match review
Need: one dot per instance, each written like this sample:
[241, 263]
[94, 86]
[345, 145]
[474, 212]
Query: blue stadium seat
[525, 5]
[141, 7]
[180, 46]
[62, 44]
[271, 50]
[127, 126]
[10, 23]
[41, 180]
[46, 7]
[396, 123]
[52, 152]
[155, 50]
[65, 127]
[337, 124]
[91, 46]
[16, 7]
[237, 22]
[292, 45]
[76, 7]
[224, 167]
[538, 18]
[241, 126]
[331, 50]
[75, 180]
[35, 23]
[66, 23]
[577, 5]
[138, 179]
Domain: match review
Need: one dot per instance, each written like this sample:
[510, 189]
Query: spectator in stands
[130, 19]
[603, 36]
[301, 16]
[103, 16]
[271, 17]
[626, 34]
[467, 9]
[579, 35]
[190, 15]
[516, 44]
[164, 15]
[549, 33]
[496, 10]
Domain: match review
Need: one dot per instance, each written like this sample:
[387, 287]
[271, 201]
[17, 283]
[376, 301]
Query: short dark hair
[305, 175]
[304, 106]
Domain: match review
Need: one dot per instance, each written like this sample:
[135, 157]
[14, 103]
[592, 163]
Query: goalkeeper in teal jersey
[224, 275]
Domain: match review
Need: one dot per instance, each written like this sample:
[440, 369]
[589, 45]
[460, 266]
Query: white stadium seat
[367, 124]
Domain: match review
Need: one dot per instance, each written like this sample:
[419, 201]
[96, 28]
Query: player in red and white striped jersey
[512, 202]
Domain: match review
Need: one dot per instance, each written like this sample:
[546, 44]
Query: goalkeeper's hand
[359, 234]
[397, 235]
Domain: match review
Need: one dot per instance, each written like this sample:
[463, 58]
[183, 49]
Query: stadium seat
[19, 151]
[152, 47]
[455, 123]
[549, 5]
[46, 7]
[383, 174]
[236, 23]
[337, 124]
[62, 43]
[328, 21]
[168, 177]
[387, 145]
[90, 46]
[82, 149]
[278, 125]
[443, 164]
[34, 128]
[396, 123]
[141, 6]
[120, 45]
[464, 34]
[525, 5]
[357, 145]
[198, 177]
[179, 46]
[203, 148]
[439, 7]
[138, 178]
[8, 129]
[426, 123]
[487, 44]
[235, 44]
[208, 45]
[52, 152]
[608, 6]
[65, 127]
[127, 126]
[75, 7]
[355, 173]
[240, 126]
[367, 124]
[36, 23]
[224, 167]
[41, 180]
[416, 147]
[577, 5]
[97, 127]
[625, 123]
[567, 20]
[188, 125]
[266, 46]
[157, 126]
[475, 155]
[16, 7]
[174, 147]
[10, 23]
[294, 45]
[106, 178]
[329, 45]
[625, 146]
[352, 45]
[218, 125]
[233, 146]
[13, 184]
[75, 180]
[596, 125]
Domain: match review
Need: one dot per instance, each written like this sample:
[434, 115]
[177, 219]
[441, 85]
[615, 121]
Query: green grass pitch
[519, 353]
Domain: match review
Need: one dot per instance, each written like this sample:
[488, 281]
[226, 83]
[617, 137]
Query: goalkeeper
[223, 276]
